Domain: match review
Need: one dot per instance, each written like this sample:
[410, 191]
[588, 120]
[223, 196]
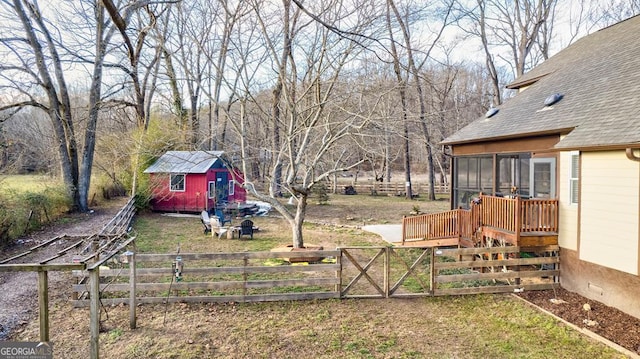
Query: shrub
[321, 193]
[6, 224]
[21, 212]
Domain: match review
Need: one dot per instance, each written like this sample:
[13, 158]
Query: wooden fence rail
[357, 272]
[119, 224]
[391, 188]
[217, 277]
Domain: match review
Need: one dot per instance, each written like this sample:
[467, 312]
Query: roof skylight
[492, 111]
[553, 99]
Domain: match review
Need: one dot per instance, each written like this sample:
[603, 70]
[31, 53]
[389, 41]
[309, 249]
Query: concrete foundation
[608, 286]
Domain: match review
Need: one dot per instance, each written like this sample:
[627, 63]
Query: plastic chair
[246, 228]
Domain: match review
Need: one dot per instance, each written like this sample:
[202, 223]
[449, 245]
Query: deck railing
[514, 215]
[431, 225]
[499, 212]
[539, 215]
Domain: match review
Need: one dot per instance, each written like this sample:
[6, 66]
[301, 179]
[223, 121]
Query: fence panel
[354, 272]
[218, 277]
[392, 188]
[494, 270]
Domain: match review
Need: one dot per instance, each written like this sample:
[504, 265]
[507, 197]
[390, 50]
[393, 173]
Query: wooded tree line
[295, 92]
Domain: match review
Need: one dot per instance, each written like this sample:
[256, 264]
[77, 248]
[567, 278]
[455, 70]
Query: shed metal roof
[185, 162]
[599, 79]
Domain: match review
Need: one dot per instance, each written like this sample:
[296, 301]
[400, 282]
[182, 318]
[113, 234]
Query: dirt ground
[19, 299]
[605, 321]
[18, 303]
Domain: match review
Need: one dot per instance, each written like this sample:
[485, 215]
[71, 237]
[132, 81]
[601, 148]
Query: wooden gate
[386, 272]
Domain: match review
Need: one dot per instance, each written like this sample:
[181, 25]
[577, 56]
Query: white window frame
[552, 174]
[211, 192]
[232, 187]
[172, 187]
[574, 177]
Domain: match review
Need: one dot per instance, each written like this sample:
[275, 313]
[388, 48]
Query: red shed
[192, 181]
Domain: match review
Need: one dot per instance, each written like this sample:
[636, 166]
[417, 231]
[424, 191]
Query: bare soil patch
[19, 299]
[608, 322]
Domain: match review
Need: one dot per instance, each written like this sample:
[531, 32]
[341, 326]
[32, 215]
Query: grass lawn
[475, 326]
[24, 183]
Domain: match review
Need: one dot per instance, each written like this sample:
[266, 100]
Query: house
[571, 134]
[192, 181]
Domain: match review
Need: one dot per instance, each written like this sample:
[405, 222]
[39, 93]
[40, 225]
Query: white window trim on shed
[174, 187]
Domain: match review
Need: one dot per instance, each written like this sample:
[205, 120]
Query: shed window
[232, 187]
[212, 189]
[177, 182]
[573, 180]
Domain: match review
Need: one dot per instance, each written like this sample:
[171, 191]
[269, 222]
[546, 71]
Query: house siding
[609, 200]
[568, 226]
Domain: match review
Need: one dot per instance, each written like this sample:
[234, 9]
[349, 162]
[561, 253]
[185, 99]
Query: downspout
[632, 156]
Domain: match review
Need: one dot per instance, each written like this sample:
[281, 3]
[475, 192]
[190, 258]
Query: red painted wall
[195, 197]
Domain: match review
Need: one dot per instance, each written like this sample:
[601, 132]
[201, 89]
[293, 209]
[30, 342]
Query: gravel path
[19, 294]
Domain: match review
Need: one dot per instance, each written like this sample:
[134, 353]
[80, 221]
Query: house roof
[185, 162]
[599, 79]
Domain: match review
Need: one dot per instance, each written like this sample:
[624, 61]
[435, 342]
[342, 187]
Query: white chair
[217, 228]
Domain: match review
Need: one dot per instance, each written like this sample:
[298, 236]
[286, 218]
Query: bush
[321, 193]
[6, 224]
[21, 212]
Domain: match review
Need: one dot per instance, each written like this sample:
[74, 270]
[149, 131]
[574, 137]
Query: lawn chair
[206, 222]
[246, 228]
[217, 227]
[223, 219]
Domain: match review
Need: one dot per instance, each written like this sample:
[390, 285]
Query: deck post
[518, 216]
[404, 233]
[518, 219]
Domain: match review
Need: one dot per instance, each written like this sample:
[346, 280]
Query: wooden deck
[507, 221]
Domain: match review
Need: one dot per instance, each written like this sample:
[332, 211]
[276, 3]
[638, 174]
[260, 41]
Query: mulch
[610, 323]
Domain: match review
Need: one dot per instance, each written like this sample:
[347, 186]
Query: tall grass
[28, 202]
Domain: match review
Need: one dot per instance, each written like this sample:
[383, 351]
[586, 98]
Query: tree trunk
[84, 182]
[298, 220]
[59, 109]
[402, 91]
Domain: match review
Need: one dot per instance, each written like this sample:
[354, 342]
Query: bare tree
[510, 31]
[38, 60]
[402, 20]
[307, 126]
[608, 12]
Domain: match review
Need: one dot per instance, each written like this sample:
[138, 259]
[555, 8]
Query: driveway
[391, 233]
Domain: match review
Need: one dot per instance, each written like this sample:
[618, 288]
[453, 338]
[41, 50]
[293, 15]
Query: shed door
[222, 188]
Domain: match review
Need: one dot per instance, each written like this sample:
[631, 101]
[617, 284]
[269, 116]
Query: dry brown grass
[487, 326]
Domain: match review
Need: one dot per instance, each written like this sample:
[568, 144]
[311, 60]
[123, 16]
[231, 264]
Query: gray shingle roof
[184, 162]
[599, 77]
